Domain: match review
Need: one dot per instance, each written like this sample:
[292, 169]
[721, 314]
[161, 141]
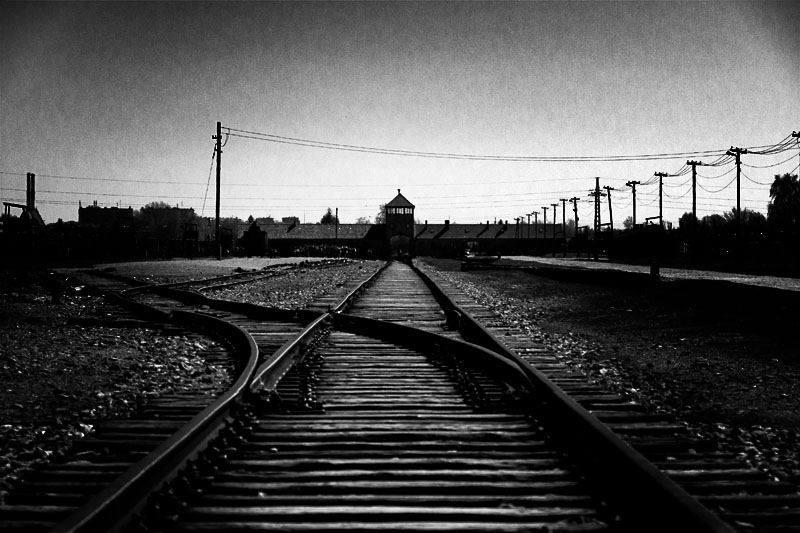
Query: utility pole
[632, 185]
[738, 153]
[694, 165]
[535, 223]
[337, 223]
[554, 228]
[545, 208]
[529, 225]
[597, 194]
[564, 222]
[574, 201]
[610, 214]
[796, 135]
[218, 137]
[660, 203]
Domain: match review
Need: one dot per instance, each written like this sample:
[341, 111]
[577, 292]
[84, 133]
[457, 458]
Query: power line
[210, 169]
[770, 166]
[116, 180]
[445, 155]
[718, 190]
[718, 175]
[754, 181]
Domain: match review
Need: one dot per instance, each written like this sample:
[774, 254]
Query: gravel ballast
[726, 365]
[59, 376]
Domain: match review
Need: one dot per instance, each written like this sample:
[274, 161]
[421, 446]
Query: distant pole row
[596, 193]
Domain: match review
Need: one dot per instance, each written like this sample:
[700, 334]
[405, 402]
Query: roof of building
[464, 231]
[399, 201]
[323, 231]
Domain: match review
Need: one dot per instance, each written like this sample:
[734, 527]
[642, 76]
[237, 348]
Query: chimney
[30, 192]
[446, 223]
[426, 224]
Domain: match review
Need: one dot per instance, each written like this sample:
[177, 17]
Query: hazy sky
[124, 98]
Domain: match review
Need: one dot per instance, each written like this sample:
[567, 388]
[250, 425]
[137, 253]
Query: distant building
[103, 217]
[399, 236]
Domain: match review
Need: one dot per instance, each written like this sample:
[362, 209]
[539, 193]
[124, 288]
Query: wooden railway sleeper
[507, 369]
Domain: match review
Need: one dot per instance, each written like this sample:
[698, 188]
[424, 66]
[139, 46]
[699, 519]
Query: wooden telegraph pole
[574, 201]
[218, 138]
[796, 135]
[545, 208]
[632, 185]
[738, 153]
[661, 176]
[694, 165]
[564, 222]
[610, 214]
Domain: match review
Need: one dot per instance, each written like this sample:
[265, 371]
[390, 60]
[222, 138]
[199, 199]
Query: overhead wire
[208, 182]
[720, 189]
[699, 175]
[235, 132]
[721, 159]
[769, 166]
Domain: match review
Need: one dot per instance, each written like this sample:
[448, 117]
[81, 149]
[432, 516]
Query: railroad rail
[398, 410]
[121, 453]
[746, 498]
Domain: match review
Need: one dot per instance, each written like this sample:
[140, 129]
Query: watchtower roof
[399, 201]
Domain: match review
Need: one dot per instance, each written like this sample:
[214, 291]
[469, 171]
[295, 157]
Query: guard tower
[400, 226]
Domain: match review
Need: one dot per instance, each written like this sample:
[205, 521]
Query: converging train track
[392, 405]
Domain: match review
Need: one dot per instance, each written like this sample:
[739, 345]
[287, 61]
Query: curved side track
[394, 424]
[409, 430]
[125, 460]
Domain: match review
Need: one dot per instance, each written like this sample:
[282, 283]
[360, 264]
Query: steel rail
[639, 485]
[651, 499]
[248, 309]
[269, 373]
[492, 363]
[113, 508]
[348, 298]
[128, 495]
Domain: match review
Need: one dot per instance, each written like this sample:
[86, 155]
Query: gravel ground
[792, 284]
[175, 270]
[298, 288]
[728, 368]
[730, 372]
[58, 379]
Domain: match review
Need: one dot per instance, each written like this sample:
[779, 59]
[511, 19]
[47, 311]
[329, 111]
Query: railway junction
[391, 399]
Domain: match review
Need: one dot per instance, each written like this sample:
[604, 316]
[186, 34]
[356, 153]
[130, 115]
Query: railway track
[379, 416]
[119, 450]
[746, 498]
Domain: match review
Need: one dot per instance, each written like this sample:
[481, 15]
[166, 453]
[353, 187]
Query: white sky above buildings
[124, 98]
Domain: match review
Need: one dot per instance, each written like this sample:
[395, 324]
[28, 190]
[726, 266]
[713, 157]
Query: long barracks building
[399, 236]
